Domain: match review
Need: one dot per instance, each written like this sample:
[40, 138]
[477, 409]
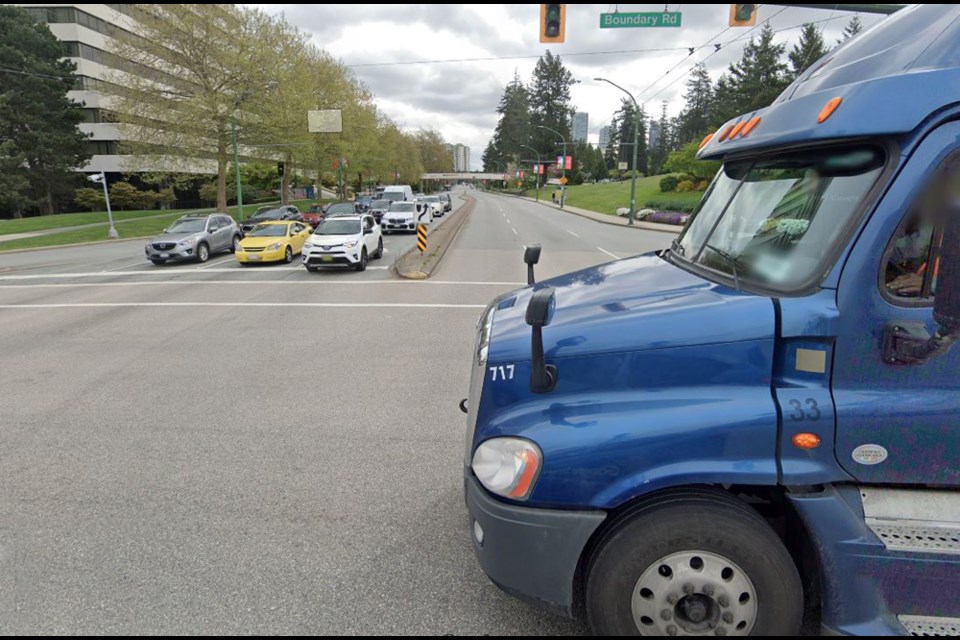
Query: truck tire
[693, 562]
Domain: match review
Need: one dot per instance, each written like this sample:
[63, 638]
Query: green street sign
[634, 20]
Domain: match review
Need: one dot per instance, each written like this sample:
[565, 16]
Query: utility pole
[563, 165]
[636, 144]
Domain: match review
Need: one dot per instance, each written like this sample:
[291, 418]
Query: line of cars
[338, 234]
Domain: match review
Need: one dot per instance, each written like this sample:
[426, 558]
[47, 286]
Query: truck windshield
[773, 221]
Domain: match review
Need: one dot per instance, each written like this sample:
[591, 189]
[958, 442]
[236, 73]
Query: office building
[653, 139]
[86, 30]
[604, 138]
[581, 124]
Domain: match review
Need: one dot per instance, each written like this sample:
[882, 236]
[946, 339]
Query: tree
[755, 80]
[601, 172]
[42, 145]
[725, 101]
[166, 198]
[89, 198]
[621, 136]
[662, 148]
[694, 121]
[684, 160]
[124, 195]
[807, 50]
[550, 104]
[194, 67]
[853, 27]
[513, 128]
[433, 151]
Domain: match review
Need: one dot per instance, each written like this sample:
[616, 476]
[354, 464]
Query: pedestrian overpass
[464, 176]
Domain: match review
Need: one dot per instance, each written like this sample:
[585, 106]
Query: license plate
[253, 258]
[326, 259]
[164, 256]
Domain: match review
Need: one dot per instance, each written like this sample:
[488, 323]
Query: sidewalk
[613, 220]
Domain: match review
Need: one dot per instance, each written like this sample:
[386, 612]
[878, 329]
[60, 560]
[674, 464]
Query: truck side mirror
[543, 377]
[531, 256]
[946, 308]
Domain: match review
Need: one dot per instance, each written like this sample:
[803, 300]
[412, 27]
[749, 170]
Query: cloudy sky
[382, 43]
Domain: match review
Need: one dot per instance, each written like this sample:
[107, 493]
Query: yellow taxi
[273, 241]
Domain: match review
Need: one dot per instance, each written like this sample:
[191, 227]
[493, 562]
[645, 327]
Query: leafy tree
[42, 146]
[808, 50]
[550, 104]
[89, 198]
[166, 198]
[124, 195]
[694, 121]
[208, 192]
[684, 160]
[433, 151]
[853, 27]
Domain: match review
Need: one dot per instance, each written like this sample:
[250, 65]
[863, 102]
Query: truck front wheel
[693, 563]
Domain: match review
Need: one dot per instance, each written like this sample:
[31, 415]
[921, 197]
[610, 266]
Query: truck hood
[637, 304]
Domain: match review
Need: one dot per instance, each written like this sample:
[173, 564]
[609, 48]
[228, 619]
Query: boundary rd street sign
[634, 20]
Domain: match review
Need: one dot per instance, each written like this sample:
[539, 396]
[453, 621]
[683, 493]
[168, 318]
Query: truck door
[899, 423]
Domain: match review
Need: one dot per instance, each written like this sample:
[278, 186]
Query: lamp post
[269, 86]
[636, 141]
[563, 165]
[102, 178]
[536, 174]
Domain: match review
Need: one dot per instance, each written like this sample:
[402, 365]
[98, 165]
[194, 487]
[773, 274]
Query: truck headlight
[483, 334]
[508, 467]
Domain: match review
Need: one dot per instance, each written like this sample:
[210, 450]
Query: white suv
[348, 241]
[405, 216]
[436, 204]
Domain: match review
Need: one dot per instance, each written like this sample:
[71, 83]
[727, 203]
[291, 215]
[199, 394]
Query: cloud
[459, 99]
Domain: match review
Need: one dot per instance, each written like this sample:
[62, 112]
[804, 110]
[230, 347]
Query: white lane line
[142, 263]
[267, 305]
[514, 231]
[168, 283]
[214, 263]
[612, 255]
[572, 233]
[508, 220]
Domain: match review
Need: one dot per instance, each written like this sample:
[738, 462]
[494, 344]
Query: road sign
[622, 166]
[635, 20]
[519, 184]
[324, 121]
[422, 237]
[563, 180]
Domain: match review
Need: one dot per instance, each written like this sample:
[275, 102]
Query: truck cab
[758, 429]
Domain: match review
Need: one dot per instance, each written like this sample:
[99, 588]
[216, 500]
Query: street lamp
[270, 85]
[636, 141]
[563, 165]
[536, 174]
[102, 178]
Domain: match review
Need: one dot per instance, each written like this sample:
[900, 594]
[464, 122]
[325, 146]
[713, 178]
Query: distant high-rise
[581, 123]
[604, 138]
[461, 156]
[654, 138]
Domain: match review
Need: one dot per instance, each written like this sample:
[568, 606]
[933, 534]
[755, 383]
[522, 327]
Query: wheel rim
[236, 243]
[288, 256]
[204, 253]
[380, 248]
[694, 593]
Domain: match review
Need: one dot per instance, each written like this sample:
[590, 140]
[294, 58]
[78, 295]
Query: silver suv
[195, 238]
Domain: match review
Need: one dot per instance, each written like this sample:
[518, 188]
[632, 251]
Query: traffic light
[280, 168]
[743, 15]
[552, 22]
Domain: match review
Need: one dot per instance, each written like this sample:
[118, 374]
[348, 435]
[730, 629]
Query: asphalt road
[222, 450]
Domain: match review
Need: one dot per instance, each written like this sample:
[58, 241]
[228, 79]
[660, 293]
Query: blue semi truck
[757, 430]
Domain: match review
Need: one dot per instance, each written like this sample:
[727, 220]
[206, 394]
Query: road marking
[268, 305]
[152, 283]
[572, 233]
[612, 255]
[514, 231]
[213, 264]
[127, 266]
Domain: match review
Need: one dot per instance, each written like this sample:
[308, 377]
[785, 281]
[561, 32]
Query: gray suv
[195, 238]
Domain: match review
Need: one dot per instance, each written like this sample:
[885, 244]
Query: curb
[639, 226]
[75, 244]
[412, 266]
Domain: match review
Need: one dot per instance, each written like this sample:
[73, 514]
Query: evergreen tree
[600, 165]
[853, 27]
[725, 102]
[550, 104]
[621, 137]
[513, 129]
[808, 50]
[761, 74]
[695, 120]
[662, 147]
[40, 144]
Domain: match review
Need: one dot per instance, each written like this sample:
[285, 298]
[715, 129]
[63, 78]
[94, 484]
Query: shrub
[89, 198]
[663, 205]
[147, 200]
[684, 186]
[208, 192]
[124, 195]
[166, 197]
[702, 185]
[669, 183]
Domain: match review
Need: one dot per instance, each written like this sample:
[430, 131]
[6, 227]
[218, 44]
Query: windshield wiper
[733, 262]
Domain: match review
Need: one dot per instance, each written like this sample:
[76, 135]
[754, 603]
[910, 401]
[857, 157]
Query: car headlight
[484, 326]
[186, 242]
[508, 467]
[308, 245]
[351, 245]
[274, 247]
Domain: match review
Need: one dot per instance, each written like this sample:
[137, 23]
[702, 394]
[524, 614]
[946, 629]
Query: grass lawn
[44, 223]
[128, 229]
[607, 198]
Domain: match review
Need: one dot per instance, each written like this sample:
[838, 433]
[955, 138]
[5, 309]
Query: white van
[398, 193]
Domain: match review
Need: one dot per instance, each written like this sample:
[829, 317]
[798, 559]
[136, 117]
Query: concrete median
[416, 266]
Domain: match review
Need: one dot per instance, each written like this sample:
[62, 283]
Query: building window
[102, 147]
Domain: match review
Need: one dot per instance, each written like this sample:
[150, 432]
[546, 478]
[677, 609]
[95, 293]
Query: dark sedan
[378, 208]
[340, 209]
[266, 214]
